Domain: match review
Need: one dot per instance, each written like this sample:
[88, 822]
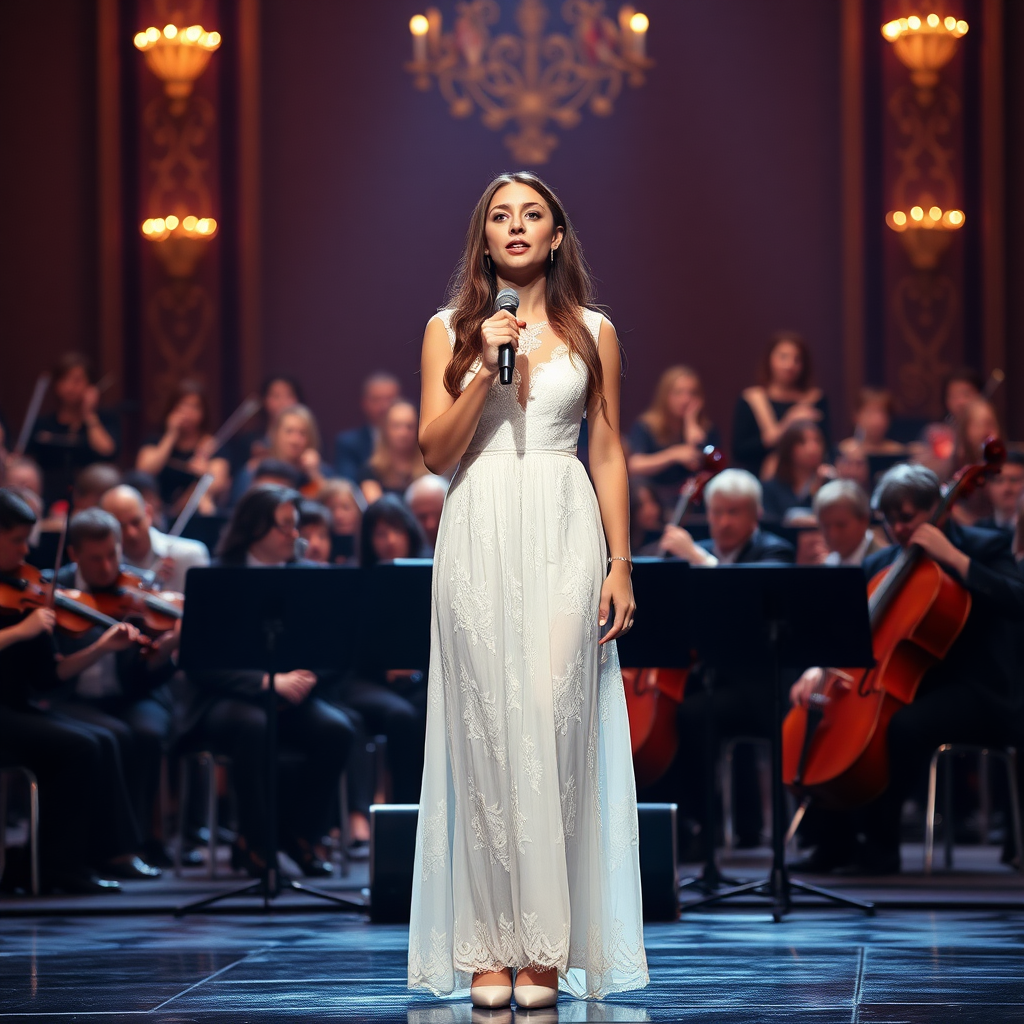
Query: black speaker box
[392, 850]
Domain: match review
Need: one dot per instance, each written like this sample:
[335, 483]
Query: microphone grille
[507, 298]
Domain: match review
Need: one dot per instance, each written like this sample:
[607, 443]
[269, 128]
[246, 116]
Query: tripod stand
[763, 604]
[272, 620]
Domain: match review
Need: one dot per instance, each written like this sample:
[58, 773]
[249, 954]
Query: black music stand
[790, 617]
[270, 620]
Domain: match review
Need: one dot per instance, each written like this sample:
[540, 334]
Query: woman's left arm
[608, 471]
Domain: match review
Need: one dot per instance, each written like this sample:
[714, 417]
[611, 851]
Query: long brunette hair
[475, 287]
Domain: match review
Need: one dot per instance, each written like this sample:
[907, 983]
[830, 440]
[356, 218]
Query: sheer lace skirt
[526, 851]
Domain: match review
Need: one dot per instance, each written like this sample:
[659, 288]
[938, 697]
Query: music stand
[270, 620]
[661, 635]
[790, 617]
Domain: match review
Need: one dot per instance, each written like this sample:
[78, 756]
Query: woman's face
[648, 511]
[390, 542]
[292, 437]
[279, 397]
[344, 514]
[400, 429]
[189, 413]
[685, 391]
[873, 421]
[520, 231]
[785, 364]
[809, 452]
[318, 543]
[70, 389]
[278, 545]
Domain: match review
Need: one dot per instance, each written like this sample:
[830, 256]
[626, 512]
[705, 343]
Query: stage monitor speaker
[659, 877]
[392, 851]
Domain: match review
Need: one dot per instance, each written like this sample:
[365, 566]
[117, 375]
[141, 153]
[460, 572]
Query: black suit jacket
[987, 653]
[762, 547]
[351, 450]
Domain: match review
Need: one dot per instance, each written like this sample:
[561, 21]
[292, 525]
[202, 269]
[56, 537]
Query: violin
[131, 598]
[654, 694]
[835, 749]
[76, 612]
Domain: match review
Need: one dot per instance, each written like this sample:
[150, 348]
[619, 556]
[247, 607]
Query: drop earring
[552, 255]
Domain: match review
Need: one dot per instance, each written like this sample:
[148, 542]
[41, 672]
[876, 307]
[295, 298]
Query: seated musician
[184, 452]
[346, 503]
[1005, 492]
[974, 695]
[396, 460]
[425, 499]
[294, 440]
[800, 470]
[733, 503]
[86, 820]
[225, 711]
[353, 447]
[279, 392]
[391, 703]
[718, 707]
[23, 472]
[77, 433]
[844, 517]
[667, 441]
[122, 691]
[315, 532]
[977, 423]
[144, 546]
[871, 422]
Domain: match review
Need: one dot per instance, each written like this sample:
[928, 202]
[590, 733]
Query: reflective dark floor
[817, 966]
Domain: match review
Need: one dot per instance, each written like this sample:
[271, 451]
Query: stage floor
[817, 966]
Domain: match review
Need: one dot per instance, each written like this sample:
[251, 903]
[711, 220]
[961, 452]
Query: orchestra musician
[1004, 493]
[353, 448]
[975, 695]
[86, 821]
[225, 711]
[279, 392]
[184, 452]
[121, 691]
[800, 470]
[424, 497]
[784, 394]
[294, 440]
[843, 513]
[77, 433]
[396, 460]
[144, 546]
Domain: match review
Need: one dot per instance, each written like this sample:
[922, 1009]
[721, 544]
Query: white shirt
[186, 553]
[858, 556]
[254, 563]
[99, 679]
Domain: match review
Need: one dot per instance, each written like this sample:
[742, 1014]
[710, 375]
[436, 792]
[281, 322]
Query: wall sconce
[925, 45]
[179, 241]
[177, 56]
[925, 234]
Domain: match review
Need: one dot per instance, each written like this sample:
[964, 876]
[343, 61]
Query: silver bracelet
[619, 558]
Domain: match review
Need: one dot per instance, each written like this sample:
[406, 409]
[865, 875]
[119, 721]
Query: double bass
[653, 694]
[835, 749]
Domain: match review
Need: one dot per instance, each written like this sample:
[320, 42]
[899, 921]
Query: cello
[653, 694]
[835, 749]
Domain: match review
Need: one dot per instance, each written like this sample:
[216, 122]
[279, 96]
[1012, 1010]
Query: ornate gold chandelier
[531, 79]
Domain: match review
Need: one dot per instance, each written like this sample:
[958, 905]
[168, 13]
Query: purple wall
[708, 203]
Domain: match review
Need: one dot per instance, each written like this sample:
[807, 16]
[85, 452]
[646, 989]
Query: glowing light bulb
[917, 213]
[891, 30]
[141, 39]
[418, 25]
[213, 40]
[955, 218]
[950, 23]
[170, 31]
[899, 217]
[152, 34]
[171, 222]
[639, 23]
[158, 224]
[193, 32]
[961, 27]
[935, 213]
[914, 22]
[933, 20]
[190, 222]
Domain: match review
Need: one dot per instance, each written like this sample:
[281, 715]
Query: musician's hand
[677, 541]
[934, 543]
[801, 690]
[617, 599]
[165, 568]
[501, 329]
[168, 642]
[800, 411]
[118, 637]
[42, 620]
[295, 686]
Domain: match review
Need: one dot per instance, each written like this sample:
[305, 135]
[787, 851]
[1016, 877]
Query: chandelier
[177, 56]
[531, 79]
[925, 233]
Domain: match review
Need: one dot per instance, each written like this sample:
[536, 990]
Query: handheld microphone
[507, 298]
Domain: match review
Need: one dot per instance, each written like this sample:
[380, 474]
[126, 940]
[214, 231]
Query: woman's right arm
[447, 424]
[153, 457]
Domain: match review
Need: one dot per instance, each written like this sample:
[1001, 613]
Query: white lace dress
[526, 850]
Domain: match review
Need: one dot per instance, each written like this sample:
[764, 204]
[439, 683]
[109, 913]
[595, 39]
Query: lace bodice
[555, 405]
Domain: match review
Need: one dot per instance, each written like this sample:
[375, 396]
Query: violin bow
[32, 414]
[198, 493]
